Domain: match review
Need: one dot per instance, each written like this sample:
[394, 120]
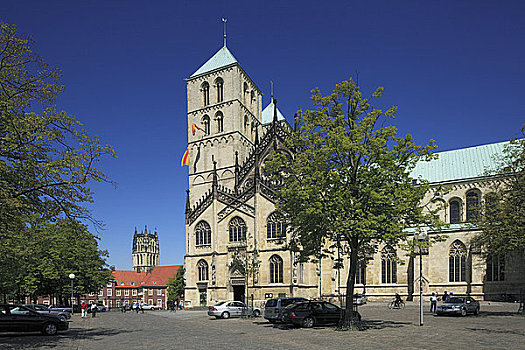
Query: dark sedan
[459, 306]
[17, 318]
[313, 313]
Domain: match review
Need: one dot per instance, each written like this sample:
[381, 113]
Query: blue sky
[455, 69]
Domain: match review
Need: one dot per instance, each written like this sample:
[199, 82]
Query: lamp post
[421, 237]
[72, 277]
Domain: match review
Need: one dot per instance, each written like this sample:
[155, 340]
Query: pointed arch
[455, 210]
[202, 269]
[202, 234]
[388, 265]
[237, 230]
[473, 201]
[457, 262]
[276, 269]
[275, 226]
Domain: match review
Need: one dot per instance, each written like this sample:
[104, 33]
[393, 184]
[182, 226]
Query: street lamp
[72, 277]
[421, 237]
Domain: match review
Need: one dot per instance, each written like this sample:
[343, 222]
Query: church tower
[145, 251]
[224, 108]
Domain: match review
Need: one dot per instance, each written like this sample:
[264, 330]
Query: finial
[275, 111]
[271, 89]
[146, 229]
[224, 20]
[135, 229]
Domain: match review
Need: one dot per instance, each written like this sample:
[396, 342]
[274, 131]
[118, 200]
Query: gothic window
[495, 268]
[202, 267]
[245, 95]
[219, 83]
[202, 234]
[252, 97]
[388, 265]
[237, 230]
[455, 211]
[275, 226]
[276, 269]
[220, 121]
[360, 274]
[205, 88]
[206, 124]
[472, 205]
[457, 257]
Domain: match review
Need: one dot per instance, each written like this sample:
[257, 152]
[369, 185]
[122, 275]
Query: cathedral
[236, 241]
[145, 251]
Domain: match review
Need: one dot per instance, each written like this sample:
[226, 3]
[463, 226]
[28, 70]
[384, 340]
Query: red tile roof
[158, 277]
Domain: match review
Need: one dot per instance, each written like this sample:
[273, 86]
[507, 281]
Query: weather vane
[224, 20]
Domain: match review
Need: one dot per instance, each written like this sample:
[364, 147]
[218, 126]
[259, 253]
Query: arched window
[455, 211]
[202, 267]
[219, 117]
[219, 83]
[202, 234]
[205, 88]
[457, 257]
[252, 97]
[276, 269]
[206, 124]
[495, 268]
[360, 274]
[472, 205]
[275, 226]
[237, 230]
[388, 265]
[245, 95]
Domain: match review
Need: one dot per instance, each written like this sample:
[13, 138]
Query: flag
[185, 158]
[195, 126]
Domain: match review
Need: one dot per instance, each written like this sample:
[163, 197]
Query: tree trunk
[351, 319]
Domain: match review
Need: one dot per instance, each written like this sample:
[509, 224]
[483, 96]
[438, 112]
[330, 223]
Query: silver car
[227, 309]
[43, 309]
[459, 306]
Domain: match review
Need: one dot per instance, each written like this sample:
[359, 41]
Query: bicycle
[398, 305]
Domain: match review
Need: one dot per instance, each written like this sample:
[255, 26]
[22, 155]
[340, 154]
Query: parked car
[100, 308]
[313, 313]
[17, 318]
[148, 307]
[273, 309]
[227, 309]
[43, 309]
[61, 308]
[458, 305]
[360, 299]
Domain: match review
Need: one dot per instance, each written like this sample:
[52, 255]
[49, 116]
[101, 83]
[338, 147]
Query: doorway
[238, 293]
[203, 296]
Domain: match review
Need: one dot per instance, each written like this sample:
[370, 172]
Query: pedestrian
[181, 304]
[142, 306]
[445, 297]
[83, 308]
[433, 302]
[123, 309]
[93, 309]
[137, 307]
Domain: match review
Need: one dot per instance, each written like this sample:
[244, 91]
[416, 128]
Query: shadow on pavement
[380, 324]
[496, 331]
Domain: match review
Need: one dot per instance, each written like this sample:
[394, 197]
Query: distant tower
[145, 251]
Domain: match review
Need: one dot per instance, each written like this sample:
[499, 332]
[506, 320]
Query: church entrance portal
[238, 293]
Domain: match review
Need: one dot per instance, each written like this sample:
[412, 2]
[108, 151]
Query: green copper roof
[460, 164]
[222, 58]
[267, 114]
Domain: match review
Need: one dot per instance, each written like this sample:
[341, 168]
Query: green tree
[349, 181]
[46, 158]
[176, 285]
[503, 216]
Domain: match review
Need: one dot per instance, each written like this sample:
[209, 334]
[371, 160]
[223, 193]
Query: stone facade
[235, 243]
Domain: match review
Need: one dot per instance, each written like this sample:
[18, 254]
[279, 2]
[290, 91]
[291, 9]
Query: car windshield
[456, 300]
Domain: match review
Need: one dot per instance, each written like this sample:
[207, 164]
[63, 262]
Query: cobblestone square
[497, 327]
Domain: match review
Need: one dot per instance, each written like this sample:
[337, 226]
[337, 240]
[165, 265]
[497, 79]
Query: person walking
[141, 306]
[181, 304]
[123, 309]
[445, 297]
[93, 309]
[433, 302]
[137, 305]
[83, 308]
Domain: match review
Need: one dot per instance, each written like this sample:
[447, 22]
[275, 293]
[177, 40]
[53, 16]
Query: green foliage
[176, 285]
[503, 216]
[350, 179]
[38, 261]
[46, 159]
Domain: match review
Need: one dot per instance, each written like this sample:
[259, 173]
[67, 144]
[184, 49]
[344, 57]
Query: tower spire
[224, 20]
[271, 88]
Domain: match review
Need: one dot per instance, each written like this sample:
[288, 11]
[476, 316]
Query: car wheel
[463, 312]
[476, 312]
[225, 315]
[308, 322]
[49, 329]
[256, 313]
